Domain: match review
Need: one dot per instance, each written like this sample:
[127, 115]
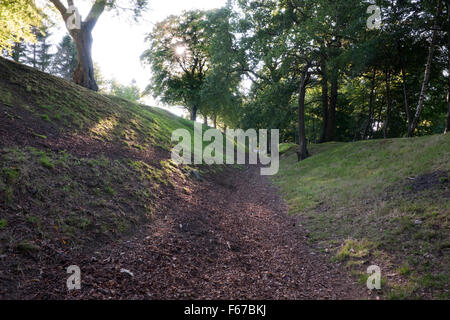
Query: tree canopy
[319, 70]
[194, 63]
[18, 18]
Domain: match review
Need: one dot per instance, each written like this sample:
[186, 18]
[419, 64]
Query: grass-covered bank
[78, 167]
[383, 202]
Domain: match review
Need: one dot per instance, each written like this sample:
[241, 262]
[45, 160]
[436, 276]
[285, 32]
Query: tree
[179, 60]
[130, 92]
[65, 59]
[279, 30]
[17, 52]
[220, 90]
[447, 123]
[38, 53]
[18, 18]
[82, 34]
[426, 78]
[362, 80]
[302, 152]
[275, 53]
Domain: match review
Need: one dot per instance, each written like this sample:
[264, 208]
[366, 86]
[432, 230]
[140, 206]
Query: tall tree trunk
[426, 79]
[302, 152]
[215, 121]
[371, 111]
[388, 102]
[447, 125]
[82, 36]
[405, 97]
[34, 55]
[324, 82]
[194, 113]
[404, 83]
[380, 117]
[331, 126]
[16, 51]
[84, 72]
[205, 120]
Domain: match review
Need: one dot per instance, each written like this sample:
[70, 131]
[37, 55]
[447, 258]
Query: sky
[119, 42]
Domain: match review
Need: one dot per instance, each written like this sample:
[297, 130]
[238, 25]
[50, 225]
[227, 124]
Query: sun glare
[180, 50]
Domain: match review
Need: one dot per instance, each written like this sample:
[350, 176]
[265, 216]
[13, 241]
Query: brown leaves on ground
[228, 238]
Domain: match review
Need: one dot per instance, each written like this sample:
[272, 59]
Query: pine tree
[65, 59]
[38, 54]
[17, 52]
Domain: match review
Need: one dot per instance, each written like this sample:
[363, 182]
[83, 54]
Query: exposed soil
[436, 179]
[227, 240]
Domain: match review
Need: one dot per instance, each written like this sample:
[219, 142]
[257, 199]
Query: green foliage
[130, 92]
[179, 60]
[280, 37]
[194, 63]
[38, 53]
[220, 90]
[65, 58]
[18, 19]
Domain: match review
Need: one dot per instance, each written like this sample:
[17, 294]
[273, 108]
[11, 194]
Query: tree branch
[96, 11]
[61, 8]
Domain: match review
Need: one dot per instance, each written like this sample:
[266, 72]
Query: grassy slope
[77, 167]
[63, 107]
[380, 202]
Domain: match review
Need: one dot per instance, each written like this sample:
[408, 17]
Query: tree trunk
[324, 82]
[205, 120]
[84, 72]
[34, 55]
[215, 121]
[388, 102]
[371, 99]
[194, 113]
[426, 79]
[404, 84]
[302, 152]
[17, 51]
[380, 117]
[331, 126]
[405, 97]
[82, 36]
[447, 125]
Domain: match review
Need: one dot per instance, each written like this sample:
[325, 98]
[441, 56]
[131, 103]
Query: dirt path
[227, 237]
